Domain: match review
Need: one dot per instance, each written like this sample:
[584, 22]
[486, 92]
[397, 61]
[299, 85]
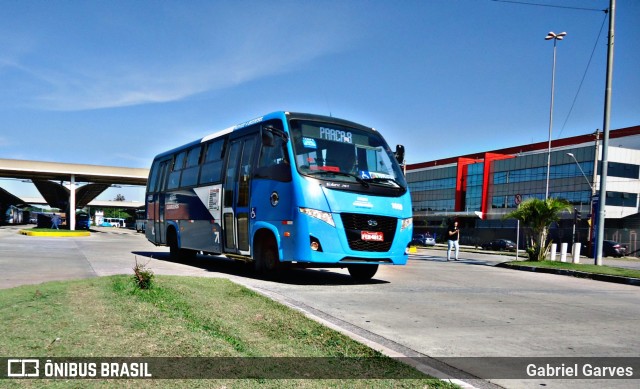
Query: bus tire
[175, 251]
[267, 260]
[172, 242]
[362, 272]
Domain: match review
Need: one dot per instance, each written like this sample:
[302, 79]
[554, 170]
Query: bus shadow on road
[466, 261]
[292, 276]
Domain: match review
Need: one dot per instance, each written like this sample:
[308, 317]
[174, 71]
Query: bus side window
[174, 176]
[163, 175]
[231, 177]
[274, 163]
[248, 156]
[192, 168]
[153, 177]
[211, 171]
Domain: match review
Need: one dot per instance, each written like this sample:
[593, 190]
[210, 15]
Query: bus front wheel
[362, 272]
[267, 259]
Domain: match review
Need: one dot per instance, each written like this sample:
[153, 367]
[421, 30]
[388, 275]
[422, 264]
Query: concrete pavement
[430, 309]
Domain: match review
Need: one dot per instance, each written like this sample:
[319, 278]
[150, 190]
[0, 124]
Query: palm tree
[538, 215]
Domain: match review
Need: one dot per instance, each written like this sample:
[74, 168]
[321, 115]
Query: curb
[377, 346]
[61, 234]
[470, 249]
[574, 273]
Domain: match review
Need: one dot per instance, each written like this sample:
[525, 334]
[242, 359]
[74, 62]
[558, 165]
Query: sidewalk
[501, 258]
[626, 262]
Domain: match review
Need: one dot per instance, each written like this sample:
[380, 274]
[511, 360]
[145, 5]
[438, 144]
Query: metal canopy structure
[58, 196]
[8, 198]
[56, 171]
[48, 176]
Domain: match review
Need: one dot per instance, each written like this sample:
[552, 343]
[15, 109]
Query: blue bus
[284, 189]
[83, 221]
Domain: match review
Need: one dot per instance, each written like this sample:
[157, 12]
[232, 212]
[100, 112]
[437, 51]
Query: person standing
[55, 221]
[453, 237]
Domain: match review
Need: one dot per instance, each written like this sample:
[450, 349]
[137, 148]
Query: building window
[540, 173]
[622, 199]
[473, 196]
[623, 170]
[573, 197]
[442, 183]
[445, 205]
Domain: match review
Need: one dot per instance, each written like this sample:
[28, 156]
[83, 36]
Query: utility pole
[605, 136]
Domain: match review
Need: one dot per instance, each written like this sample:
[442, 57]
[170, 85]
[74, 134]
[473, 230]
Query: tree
[119, 197]
[538, 215]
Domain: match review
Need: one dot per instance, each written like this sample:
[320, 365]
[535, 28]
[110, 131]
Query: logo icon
[274, 198]
[372, 223]
[23, 368]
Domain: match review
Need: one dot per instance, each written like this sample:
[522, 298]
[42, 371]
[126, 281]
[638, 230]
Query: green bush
[142, 276]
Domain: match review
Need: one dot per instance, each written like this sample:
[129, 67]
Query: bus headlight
[406, 223]
[324, 216]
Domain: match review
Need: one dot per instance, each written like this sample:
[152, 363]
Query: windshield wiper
[384, 179]
[360, 180]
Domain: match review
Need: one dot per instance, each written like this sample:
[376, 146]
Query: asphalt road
[432, 310]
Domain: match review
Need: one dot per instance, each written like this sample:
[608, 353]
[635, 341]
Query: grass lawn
[179, 317]
[587, 268]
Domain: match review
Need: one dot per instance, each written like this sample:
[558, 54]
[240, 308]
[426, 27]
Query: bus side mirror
[267, 137]
[399, 154]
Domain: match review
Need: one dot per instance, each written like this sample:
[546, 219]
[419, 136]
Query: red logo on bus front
[372, 236]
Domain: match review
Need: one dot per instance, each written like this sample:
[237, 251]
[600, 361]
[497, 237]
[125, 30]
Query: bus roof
[273, 115]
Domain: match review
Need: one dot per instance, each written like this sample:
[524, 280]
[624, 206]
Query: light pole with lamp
[555, 37]
[581, 171]
[590, 186]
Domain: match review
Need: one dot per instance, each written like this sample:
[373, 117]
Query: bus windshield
[344, 153]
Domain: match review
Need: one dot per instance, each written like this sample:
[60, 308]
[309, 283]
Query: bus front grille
[356, 223]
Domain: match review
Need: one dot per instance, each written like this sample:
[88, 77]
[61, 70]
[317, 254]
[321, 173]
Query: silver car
[423, 240]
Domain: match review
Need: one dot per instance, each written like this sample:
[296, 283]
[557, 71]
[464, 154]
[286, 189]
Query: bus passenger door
[236, 209]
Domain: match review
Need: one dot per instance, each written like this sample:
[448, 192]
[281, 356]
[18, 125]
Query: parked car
[612, 248]
[499, 245]
[423, 240]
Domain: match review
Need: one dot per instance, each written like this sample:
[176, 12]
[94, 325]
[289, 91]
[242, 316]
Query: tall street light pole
[555, 37]
[581, 171]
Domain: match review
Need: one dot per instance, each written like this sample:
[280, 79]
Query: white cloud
[231, 55]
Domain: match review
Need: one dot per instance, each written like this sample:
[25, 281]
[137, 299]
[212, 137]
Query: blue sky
[117, 82]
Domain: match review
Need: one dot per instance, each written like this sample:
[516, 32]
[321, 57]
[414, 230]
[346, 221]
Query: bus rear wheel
[176, 252]
[172, 242]
[362, 272]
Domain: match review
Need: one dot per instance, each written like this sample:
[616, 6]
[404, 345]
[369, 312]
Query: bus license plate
[372, 236]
